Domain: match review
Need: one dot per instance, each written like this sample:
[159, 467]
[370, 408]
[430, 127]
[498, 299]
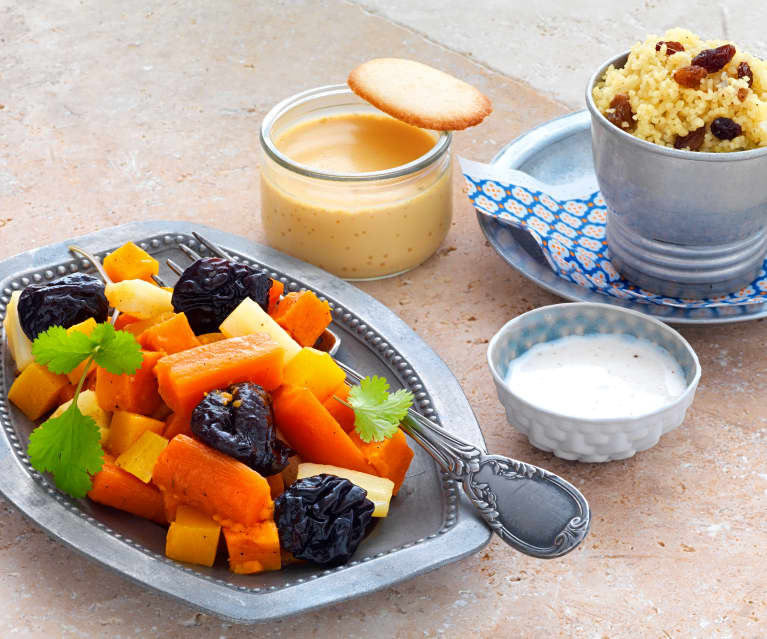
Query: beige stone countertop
[114, 112]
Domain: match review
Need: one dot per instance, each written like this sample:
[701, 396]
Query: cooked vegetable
[36, 391]
[304, 316]
[186, 376]
[249, 318]
[274, 295]
[314, 370]
[377, 413]
[379, 489]
[322, 519]
[130, 262]
[212, 287]
[209, 338]
[137, 326]
[19, 344]
[254, 549]
[136, 393]
[391, 457]
[89, 406]
[341, 411]
[177, 424]
[171, 335]
[127, 427]
[192, 537]
[141, 456]
[239, 423]
[65, 302]
[310, 430]
[114, 487]
[276, 485]
[208, 480]
[69, 445]
[138, 298]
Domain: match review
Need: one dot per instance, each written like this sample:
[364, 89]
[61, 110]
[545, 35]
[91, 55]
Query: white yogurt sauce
[596, 376]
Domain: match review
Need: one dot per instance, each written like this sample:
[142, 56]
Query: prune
[690, 77]
[239, 423]
[212, 287]
[672, 47]
[692, 141]
[322, 519]
[65, 302]
[714, 59]
[621, 115]
[744, 71]
[726, 129]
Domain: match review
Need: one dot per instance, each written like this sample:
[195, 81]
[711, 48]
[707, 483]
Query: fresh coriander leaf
[377, 413]
[60, 351]
[118, 351]
[68, 446]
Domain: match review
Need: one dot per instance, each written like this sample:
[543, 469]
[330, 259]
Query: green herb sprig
[377, 413]
[69, 445]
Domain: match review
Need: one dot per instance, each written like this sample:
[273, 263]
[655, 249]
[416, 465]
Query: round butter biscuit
[419, 94]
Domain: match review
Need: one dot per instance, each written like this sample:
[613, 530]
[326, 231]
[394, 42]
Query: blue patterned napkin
[568, 223]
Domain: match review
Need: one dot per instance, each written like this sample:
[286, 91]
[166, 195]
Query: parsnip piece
[138, 298]
[18, 342]
[249, 318]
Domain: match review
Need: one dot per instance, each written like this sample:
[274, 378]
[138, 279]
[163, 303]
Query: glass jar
[358, 226]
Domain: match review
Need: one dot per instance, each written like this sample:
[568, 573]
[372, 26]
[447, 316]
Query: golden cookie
[419, 94]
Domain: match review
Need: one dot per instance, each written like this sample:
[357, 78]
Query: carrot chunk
[304, 316]
[135, 393]
[112, 486]
[312, 432]
[390, 458]
[254, 549]
[340, 412]
[218, 485]
[185, 377]
[172, 336]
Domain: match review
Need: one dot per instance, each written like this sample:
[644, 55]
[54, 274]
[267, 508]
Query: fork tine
[192, 255]
[174, 267]
[159, 281]
[216, 250]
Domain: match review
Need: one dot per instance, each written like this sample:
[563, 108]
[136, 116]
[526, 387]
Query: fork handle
[531, 509]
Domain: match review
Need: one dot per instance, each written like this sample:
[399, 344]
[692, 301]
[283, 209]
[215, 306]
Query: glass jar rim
[427, 159]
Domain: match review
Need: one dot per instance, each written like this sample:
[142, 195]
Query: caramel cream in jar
[353, 190]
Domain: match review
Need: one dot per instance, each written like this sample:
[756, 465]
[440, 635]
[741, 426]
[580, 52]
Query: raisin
[744, 71]
[672, 47]
[621, 115]
[714, 59]
[690, 77]
[726, 129]
[65, 302]
[322, 519]
[692, 141]
[742, 93]
[239, 423]
[212, 287]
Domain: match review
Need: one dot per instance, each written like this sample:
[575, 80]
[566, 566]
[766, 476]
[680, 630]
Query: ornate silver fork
[533, 510]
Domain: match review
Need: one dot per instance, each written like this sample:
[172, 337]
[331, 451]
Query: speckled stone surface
[114, 112]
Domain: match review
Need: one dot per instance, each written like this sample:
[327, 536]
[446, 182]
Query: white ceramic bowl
[589, 440]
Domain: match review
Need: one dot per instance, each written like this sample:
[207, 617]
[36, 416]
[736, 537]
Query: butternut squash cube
[379, 489]
[139, 459]
[314, 370]
[390, 458]
[254, 549]
[36, 390]
[77, 372]
[249, 318]
[192, 537]
[130, 262]
[304, 316]
[127, 427]
[136, 393]
[171, 335]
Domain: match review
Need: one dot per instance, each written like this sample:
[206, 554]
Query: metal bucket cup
[679, 223]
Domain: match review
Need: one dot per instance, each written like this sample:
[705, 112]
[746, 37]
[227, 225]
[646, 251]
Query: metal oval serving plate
[559, 152]
[430, 523]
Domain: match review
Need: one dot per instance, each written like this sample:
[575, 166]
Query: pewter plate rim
[534, 143]
[462, 532]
